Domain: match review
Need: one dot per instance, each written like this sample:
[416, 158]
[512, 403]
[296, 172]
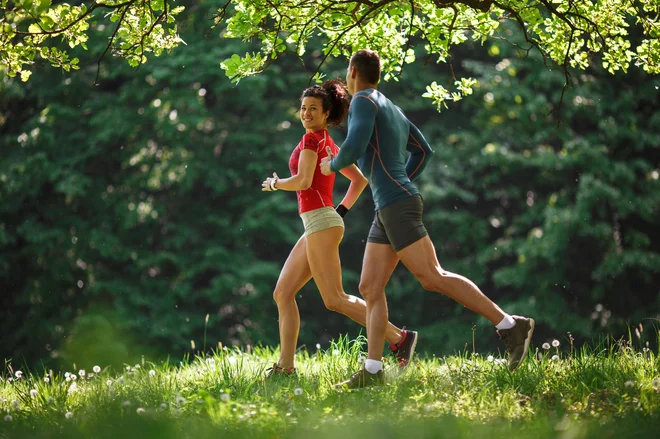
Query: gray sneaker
[362, 378]
[517, 340]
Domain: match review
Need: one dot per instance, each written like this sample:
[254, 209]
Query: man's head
[364, 68]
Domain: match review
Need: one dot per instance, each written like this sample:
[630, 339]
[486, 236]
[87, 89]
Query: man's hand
[325, 162]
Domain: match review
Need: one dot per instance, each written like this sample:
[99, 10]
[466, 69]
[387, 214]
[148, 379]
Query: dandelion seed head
[67, 379]
[96, 369]
[73, 377]
[546, 346]
[73, 388]
[555, 343]
[109, 382]
[128, 368]
[298, 391]
[152, 372]
[33, 393]
[16, 404]
[46, 380]
[318, 346]
[180, 400]
[139, 411]
[555, 357]
[629, 383]
[51, 399]
[163, 406]
[68, 415]
[224, 397]
[81, 372]
[490, 358]
[66, 374]
[8, 418]
[335, 352]
[500, 361]
[126, 404]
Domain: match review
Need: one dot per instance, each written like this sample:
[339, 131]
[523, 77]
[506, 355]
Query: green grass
[608, 391]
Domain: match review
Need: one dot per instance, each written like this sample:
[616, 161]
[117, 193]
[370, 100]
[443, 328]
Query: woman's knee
[281, 295]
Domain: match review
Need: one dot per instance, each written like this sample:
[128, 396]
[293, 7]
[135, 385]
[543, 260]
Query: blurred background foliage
[131, 210]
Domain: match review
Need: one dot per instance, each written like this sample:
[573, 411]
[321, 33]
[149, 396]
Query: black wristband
[341, 210]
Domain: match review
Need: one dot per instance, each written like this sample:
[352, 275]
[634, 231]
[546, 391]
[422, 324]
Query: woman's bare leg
[323, 257]
[294, 275]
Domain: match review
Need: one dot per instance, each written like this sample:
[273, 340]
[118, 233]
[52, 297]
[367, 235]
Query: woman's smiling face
[312, 115]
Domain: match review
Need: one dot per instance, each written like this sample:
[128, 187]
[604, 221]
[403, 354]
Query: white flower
[139, 411]
[33, 393]
[8, 418]
[546, 346]
[629, 383]
[109, 382]
[51, 399]
[555, 357]
[81, 372]
[555, 343]
[224, 397]
[96, 369]
[18, 374]
[46, 379]
[68, 415]
[180, 400]
[297, 391]
[126, 404]
[152, 372]
[490, 358]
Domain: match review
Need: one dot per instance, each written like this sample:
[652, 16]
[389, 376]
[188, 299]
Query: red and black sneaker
[404, 350]
[276, 370]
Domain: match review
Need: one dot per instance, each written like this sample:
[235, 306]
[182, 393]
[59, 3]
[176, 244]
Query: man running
[379, 134]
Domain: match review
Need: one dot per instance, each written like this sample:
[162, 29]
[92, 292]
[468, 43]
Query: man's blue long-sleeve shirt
[379, 134]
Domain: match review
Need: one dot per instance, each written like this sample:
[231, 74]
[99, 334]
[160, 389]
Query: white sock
[506, 323]
[373, 366]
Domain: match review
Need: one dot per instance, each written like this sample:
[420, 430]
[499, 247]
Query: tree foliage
[568, 33]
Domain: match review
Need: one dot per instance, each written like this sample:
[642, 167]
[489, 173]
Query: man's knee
[370, 290]
[433, 280]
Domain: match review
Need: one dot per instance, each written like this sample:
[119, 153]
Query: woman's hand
[269, 184]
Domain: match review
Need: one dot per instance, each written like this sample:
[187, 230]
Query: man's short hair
[367, 64]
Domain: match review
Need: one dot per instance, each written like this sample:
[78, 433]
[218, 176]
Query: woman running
[316, 254]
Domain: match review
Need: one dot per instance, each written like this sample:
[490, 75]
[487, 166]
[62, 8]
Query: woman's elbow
[305, 184]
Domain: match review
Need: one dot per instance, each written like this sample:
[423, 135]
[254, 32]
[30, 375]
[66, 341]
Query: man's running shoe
[404, 350]
[362, 378]
[517, 340]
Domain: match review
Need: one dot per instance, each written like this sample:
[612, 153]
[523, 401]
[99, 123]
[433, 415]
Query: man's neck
[361, 87]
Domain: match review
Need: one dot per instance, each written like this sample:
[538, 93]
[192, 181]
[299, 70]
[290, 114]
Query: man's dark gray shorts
[399, 224]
